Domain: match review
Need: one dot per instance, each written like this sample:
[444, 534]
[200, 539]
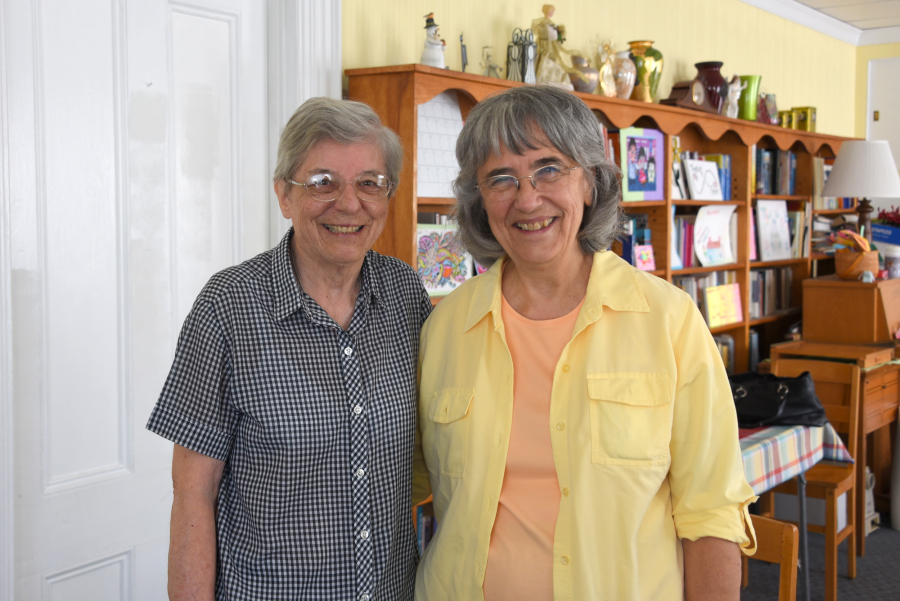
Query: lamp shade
[864, 169]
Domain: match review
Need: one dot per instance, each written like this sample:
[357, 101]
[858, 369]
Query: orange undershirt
[520, 559]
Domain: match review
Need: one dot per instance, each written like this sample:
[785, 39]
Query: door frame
[869, 88]
[291, 47]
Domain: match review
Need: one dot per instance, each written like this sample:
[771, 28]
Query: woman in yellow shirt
[576, 425]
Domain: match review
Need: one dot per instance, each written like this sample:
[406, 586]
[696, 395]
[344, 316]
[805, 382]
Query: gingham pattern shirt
[316, 426]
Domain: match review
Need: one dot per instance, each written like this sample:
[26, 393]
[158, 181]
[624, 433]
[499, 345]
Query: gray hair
[341, 121]
[520, 119]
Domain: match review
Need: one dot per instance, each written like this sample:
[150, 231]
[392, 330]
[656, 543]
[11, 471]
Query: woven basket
[849, 265]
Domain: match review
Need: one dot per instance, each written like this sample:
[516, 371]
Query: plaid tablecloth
[778, 453]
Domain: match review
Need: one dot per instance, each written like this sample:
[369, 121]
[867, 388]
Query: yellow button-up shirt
[643, 431]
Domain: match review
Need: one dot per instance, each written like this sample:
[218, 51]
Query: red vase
[715, 84]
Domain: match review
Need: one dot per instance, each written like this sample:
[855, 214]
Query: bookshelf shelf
[789, 197]
[692, 270]
[703, 203]
[395, 93]
[726, 328]
[782, 263]
[772, 317]
[833, 211]
[642, 204]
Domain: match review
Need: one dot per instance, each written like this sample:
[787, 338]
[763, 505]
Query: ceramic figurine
[606, 54]
[734, 93]
[433, 53]
[490, 69]
[550, 67]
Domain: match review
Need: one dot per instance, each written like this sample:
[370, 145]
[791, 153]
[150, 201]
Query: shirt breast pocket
[631, 418]
[451, 429]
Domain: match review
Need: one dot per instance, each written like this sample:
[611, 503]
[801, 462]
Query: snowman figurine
[433, 53]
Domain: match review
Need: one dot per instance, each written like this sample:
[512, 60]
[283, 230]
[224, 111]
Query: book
[441, 262]
[764, 170]
[643, 257]
[723, 305]
[712, 235]
[703, 180]
[772, 230]
[723, 163]
[725, 344]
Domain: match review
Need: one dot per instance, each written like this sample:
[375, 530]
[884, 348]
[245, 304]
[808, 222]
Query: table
[879, 398]
[776, 454]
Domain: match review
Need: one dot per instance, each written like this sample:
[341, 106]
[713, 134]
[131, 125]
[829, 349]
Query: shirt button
[364, 597]
[564, 560]
[364, 534]
[348, 351]
[360, 473]
[560, 426]
[566, 369]
[357, 410]
[565, 492]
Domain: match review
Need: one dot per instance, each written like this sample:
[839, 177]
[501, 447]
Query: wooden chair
[837, 386]
[778, 542]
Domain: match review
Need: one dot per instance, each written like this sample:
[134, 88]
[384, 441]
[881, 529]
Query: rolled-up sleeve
[710, 493]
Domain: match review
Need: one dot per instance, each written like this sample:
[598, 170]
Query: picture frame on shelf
[703, 179]
[643, 164]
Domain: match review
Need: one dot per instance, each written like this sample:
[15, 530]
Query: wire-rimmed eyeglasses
[543, 179]
[326, 187]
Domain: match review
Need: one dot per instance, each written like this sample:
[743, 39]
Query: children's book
[723, 305]
[772, 230]
[441, 262]
[712, 235]
[643, 257]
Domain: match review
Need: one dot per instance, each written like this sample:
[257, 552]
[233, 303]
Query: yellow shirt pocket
[450, 430]
[631, 418]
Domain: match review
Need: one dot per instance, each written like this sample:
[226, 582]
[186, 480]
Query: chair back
[777, 542]
[837, 386]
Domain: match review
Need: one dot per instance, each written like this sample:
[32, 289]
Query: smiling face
[537, 229]
[337, 234]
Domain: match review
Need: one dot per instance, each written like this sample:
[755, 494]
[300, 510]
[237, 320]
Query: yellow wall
[863, 55]
[802, 67]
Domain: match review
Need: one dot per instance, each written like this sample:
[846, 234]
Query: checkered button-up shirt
[316, 426]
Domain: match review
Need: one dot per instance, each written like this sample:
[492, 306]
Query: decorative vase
[625, 74]
[749, 97]
[715, 84]
[590, 76]
[649, 64]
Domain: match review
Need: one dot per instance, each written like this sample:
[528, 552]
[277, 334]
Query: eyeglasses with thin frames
[326, 187]
[500, 188]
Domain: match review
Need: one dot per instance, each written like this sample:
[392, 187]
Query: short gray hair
[520, 119]
[341, 121]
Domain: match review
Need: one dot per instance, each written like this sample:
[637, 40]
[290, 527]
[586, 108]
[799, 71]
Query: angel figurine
[433, 53]
[550, 37]
[490, 69]
[735, 87]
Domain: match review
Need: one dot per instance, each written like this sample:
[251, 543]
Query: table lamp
[864, 169]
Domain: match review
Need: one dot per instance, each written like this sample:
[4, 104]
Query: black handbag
[769, 400]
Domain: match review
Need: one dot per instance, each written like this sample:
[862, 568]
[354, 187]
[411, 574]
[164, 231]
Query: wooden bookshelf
[396, 92]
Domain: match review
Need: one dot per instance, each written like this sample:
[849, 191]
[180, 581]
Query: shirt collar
[290, 296]
[612, 283]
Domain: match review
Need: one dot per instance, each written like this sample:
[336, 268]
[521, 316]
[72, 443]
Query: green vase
[749, 99]
[649, 63]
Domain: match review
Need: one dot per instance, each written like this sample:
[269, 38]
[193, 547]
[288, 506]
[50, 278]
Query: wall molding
[122, 466]
[7, 471]
[818, 21]
[125, 561]
[304, 39]
[883, 35]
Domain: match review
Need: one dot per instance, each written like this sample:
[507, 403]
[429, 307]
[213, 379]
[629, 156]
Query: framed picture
[643, 164]
[703, 179]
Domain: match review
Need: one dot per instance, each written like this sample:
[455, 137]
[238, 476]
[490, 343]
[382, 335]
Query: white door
[884, 90]
[136, 151]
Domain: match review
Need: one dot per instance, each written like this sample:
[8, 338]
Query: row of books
[821, 169]
[770, 291]
[824, 226]
[723, 167]
[697, 285]
[776, 171]
[636, 242]
[426, 526]
[683, 229]
[725, 345]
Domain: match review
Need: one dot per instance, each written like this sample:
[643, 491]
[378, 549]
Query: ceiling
[858, 22]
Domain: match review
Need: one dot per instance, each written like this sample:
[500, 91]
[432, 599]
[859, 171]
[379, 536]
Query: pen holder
[849, 265]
